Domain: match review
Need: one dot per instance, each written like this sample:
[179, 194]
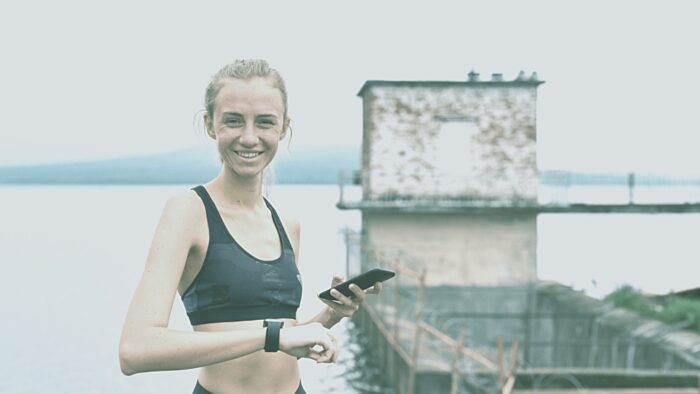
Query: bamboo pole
[397, 302]
[499, 358]
[397, 339]
[473, 355]
[508, 386]
[374, 318]
[455, 363]
[416, 337]
[514, 357]
[510, 380]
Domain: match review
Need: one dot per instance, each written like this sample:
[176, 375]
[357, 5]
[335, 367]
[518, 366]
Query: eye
[266, 123]
[233, 122]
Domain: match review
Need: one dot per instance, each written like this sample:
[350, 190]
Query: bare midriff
[259, 372]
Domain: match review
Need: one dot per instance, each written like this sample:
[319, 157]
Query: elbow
[127, 359]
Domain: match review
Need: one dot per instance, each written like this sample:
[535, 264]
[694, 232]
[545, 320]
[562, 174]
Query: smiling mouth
[248, 155]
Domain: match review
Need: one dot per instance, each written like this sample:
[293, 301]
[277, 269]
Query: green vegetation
[670, 309]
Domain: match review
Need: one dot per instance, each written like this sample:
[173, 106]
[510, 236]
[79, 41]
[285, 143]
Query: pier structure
[536, 337]
[449, 199]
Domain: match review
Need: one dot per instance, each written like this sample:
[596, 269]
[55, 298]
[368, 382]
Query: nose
[248, 136]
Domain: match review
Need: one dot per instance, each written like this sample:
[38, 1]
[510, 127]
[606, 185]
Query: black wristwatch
[272, 334]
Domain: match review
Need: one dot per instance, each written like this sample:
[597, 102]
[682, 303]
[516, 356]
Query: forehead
[245, 95]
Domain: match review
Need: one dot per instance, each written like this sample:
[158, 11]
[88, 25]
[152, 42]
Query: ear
[285, 128]
[209, 125]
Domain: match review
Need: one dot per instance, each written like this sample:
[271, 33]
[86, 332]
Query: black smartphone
[364, 280]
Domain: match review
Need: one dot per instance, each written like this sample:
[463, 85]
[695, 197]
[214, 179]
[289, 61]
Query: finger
[341, 297]
[341, 309]
[322, 357]
[376, 288]
[332, 354]
[328, 350]
[318, 353]
[332, 304]
[337, 279]
[359, 293]
[314, 355]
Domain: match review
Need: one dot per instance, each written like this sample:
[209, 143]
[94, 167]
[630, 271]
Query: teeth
[248, 155]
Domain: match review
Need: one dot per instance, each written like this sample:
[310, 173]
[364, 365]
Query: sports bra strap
[217, 228]
[280, 227]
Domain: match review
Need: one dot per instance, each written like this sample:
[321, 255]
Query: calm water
[72, 256]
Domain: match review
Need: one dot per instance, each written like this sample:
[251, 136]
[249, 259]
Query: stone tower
[449, 176]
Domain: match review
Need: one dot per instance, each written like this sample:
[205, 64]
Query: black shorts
[198, 389]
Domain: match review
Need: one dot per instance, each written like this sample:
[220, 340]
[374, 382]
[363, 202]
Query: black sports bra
[233, 285]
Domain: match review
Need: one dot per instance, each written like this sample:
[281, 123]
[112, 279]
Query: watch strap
[272, 334]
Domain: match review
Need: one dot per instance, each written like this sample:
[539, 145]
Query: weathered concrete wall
[402, 127]
[459, 249]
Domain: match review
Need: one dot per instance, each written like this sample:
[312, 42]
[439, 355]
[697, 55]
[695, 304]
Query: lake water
[72, 256]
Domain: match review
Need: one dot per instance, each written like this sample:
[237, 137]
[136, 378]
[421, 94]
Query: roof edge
[373, 82]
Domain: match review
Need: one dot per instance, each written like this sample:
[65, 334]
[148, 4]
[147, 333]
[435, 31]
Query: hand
[310, 340]
[346, 306]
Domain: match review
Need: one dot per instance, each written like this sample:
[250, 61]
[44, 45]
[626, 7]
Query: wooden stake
[501, 374]
[416, 337]
[456, 375]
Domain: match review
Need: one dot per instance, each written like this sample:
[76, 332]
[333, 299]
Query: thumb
[337, 279]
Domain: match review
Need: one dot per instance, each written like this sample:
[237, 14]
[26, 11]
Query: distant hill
[320, 165]
[190, 166]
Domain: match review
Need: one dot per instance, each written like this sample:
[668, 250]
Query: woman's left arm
[334, 311]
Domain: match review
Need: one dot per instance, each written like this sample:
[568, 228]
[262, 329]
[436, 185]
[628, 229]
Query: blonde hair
[243, 69]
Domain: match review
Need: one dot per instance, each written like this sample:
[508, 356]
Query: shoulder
[289, 219]
[185, 208]
[186, 201]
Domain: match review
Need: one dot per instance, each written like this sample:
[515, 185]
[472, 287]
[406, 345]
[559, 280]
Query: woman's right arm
[147, 344]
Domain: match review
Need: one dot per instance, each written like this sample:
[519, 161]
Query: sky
[83, 81]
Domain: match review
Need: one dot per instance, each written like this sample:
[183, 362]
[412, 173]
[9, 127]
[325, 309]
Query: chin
[245, 172]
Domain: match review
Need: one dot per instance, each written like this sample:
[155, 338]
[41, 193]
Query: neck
[238, 191]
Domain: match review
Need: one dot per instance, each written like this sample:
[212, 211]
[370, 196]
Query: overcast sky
[84, 81]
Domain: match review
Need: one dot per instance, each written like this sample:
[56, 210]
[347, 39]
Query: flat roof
[443, 84]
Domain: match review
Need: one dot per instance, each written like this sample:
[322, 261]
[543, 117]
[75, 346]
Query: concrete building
[449, 176]
[450, 187]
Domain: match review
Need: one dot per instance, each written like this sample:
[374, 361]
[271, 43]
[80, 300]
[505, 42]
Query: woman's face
[247, 124]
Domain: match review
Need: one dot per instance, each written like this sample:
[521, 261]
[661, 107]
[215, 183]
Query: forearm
[326, 317]
[160, 348]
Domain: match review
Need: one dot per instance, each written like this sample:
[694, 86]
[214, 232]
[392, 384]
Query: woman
[232, 258]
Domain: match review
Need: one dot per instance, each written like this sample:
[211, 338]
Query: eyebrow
[257, 116]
